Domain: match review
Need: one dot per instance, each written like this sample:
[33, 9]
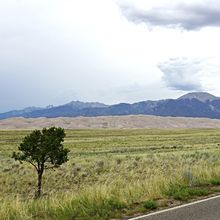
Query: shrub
[150, 204]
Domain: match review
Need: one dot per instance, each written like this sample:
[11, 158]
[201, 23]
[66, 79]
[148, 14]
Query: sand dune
[131, 121]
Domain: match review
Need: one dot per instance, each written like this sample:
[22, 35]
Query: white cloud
[186, 74]
[182, 74]
[179, 14]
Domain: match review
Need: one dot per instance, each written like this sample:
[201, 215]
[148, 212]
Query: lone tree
[43, 150]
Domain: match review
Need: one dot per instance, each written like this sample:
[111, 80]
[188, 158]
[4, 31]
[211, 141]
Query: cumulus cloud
[182, 74]
[191, 16]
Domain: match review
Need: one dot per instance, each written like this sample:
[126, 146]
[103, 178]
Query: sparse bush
[118, 161]
[189, 178]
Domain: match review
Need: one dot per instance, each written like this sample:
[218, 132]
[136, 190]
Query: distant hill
[201, 96]
[198, 104]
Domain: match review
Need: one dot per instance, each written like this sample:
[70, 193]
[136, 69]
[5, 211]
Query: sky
[110, 51]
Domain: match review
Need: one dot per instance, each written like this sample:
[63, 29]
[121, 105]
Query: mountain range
[197, 104]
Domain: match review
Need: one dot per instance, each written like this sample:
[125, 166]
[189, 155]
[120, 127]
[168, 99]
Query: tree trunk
[39, 184]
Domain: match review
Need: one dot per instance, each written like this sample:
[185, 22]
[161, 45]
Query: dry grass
[110, 173]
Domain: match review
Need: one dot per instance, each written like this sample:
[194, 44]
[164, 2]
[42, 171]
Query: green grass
[184, 193]
[111, 173]
[215, 182]
[150, 205]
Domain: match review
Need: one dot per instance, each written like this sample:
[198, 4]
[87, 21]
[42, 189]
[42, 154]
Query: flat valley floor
[112, 174]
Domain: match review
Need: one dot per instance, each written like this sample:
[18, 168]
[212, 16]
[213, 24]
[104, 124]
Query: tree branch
[49, 167]
[33, 164]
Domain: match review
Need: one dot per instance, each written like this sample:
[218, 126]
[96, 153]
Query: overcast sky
[111, 51]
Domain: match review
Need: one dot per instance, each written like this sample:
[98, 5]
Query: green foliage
[150, 204]
[181, 192]
[43, 150]
[215, 182]
[116, 204]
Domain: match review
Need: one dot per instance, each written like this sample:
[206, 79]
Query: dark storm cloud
[182, 74]
[186, 16]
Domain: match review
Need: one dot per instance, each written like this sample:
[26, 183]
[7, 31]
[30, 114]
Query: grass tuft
[150, 205]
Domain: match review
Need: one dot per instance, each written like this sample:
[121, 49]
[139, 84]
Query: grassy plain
[111, 173]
